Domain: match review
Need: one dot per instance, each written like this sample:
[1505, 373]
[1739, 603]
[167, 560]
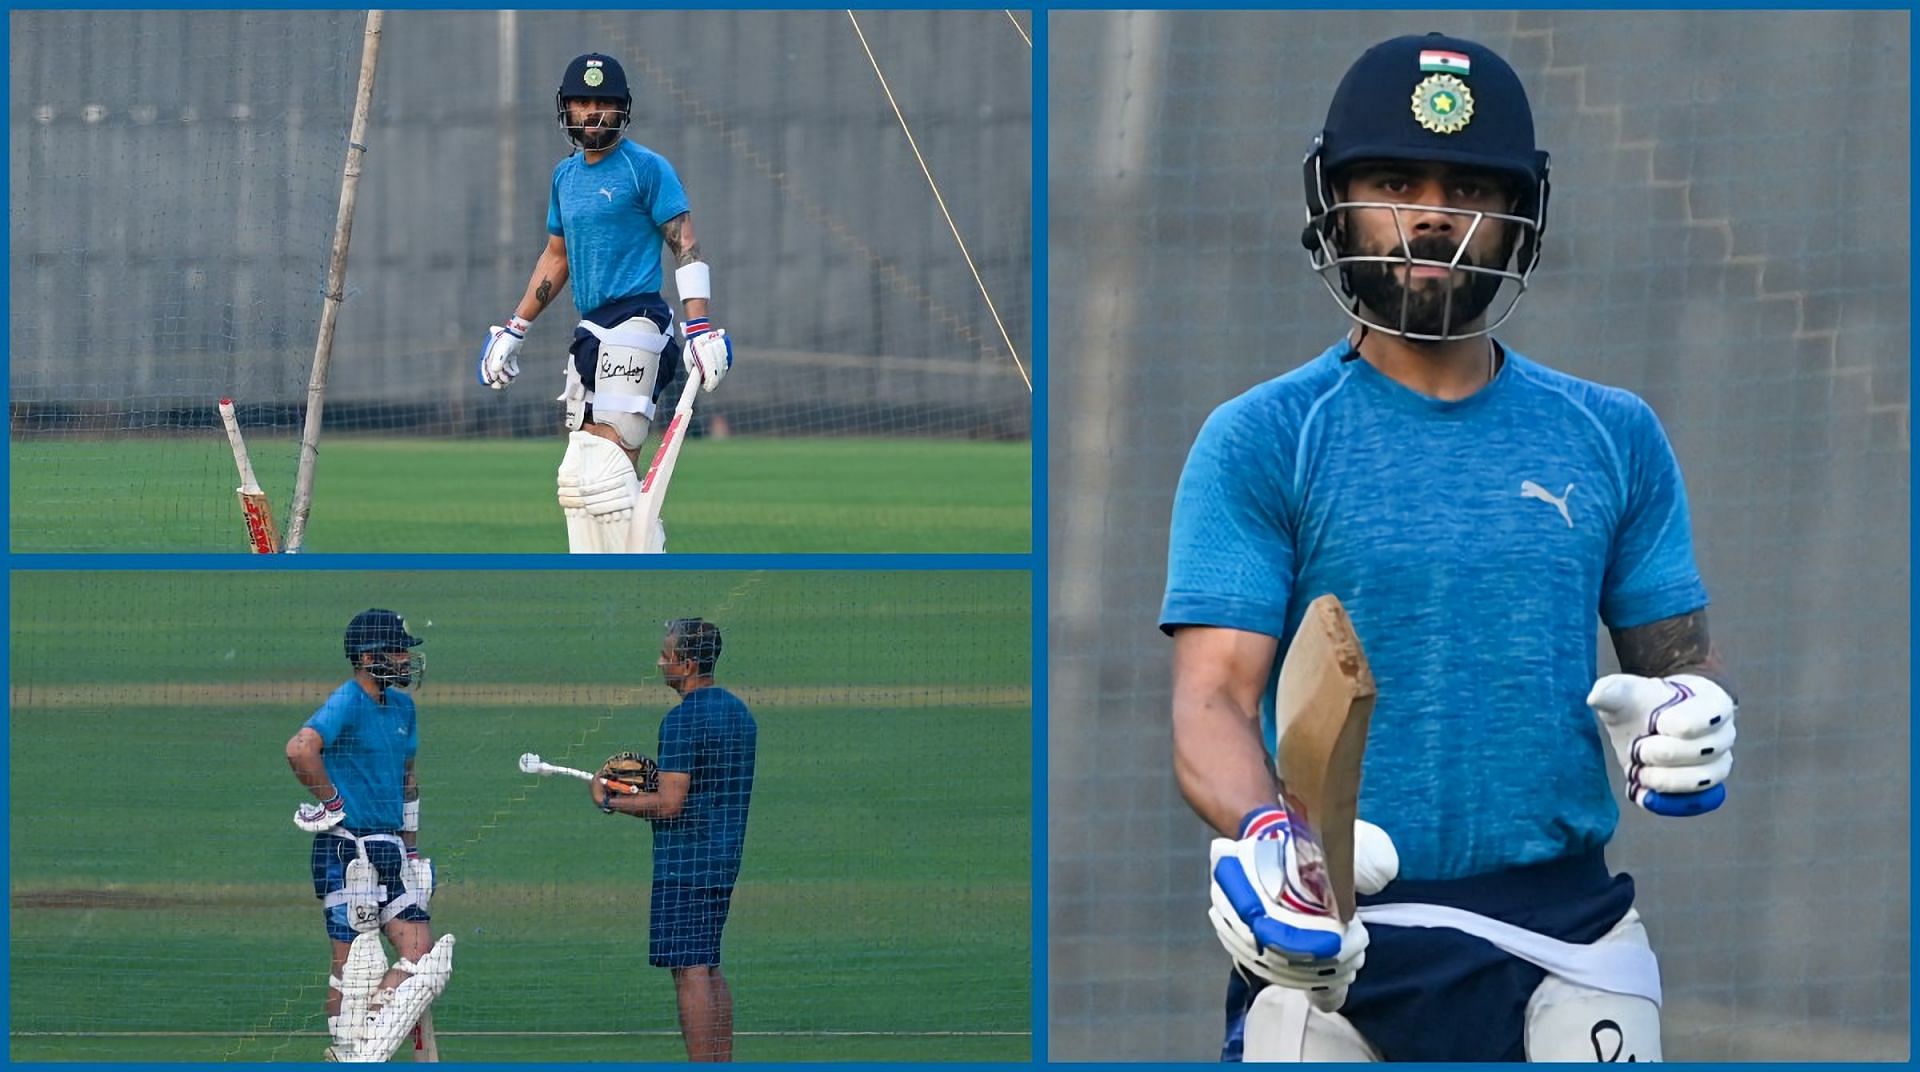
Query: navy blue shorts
[586, 349]
[1437, 994]
[330, 856]
[683, 929]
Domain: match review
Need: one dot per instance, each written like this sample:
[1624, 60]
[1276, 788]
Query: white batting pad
[597, 489]
[409, 1001]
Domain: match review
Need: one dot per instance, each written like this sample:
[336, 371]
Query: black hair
[696, 639]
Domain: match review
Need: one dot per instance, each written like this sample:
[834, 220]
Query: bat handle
[1681, 805]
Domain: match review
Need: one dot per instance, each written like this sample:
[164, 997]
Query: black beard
[1445, 306]
[594, 139]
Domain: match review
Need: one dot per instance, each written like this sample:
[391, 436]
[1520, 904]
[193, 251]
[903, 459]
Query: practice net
[163, 907]
[173, 212]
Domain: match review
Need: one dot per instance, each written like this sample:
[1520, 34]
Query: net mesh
[882, 908]
[1728, 239]
[173, 214]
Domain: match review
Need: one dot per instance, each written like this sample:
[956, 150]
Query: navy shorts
[331, 854]
[683, 929]
[585, 348]
[1437, 994]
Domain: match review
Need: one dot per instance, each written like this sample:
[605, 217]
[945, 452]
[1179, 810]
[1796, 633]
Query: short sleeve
[666, 198]
[330, 721]
[1230, 552]
[554, 226]
[1651, 573]
[677, 741]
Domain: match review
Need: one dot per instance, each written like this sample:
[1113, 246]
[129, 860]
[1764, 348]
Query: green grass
[786, 628]
[884, 908]
[739, 495]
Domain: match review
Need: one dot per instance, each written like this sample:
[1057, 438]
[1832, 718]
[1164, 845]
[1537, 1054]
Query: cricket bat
[653, 487]
[426, 1047]
[261, 535]
[1322, 706]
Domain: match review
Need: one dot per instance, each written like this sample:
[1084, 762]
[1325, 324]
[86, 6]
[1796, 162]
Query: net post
[336, 288]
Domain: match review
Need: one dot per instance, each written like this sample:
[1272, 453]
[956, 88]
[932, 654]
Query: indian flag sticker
[1434, 60]
[1442, 104]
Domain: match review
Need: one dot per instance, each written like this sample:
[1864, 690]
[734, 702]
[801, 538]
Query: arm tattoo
[544, 293]
[1677, 645]
[674, 229]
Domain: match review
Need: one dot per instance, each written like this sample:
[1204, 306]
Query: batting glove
[416, 874]
[1273, 927]
[318, 817]
[1673, 737]
[709, 352]
[500, 358]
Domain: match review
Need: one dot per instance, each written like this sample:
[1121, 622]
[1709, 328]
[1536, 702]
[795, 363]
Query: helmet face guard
[594, 77]
[400, 669]
[1427, 100]
[1470, 303]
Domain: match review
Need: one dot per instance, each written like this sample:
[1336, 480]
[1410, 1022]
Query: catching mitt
[632, 768]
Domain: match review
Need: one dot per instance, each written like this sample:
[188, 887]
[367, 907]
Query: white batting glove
[500, 358]
[416, 874]
[1673, 737]
[317, 817]
[1270, 922]
[709, 353]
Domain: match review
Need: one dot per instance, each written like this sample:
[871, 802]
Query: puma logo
[1531, 490]
[606, 193]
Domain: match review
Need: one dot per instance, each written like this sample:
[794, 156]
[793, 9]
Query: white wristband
[694, 281]
[410, 816]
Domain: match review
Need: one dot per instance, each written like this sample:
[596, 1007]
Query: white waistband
[1616, 967]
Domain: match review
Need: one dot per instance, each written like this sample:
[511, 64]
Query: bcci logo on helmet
[1442, 104]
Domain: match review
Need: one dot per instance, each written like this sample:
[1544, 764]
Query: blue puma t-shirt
[365, 745]
[1474, 543]
[610, 214]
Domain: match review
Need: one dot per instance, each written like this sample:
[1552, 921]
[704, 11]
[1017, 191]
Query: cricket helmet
[378, 631]
[1429, 99]
[597, 77]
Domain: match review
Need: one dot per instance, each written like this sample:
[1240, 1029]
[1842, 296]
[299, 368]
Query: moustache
[1435, 248]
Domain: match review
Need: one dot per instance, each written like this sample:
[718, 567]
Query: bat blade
[653, 486]
[261, 535]
[1323, 705]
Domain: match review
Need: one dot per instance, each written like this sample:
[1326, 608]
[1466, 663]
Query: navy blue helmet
[1439, 99]
[594, 77]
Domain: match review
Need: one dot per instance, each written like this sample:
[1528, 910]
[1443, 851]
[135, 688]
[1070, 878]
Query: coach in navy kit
[699, 817]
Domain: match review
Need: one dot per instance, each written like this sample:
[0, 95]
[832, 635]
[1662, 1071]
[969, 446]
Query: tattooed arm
[1677, 645]
[678, 233]
[549, 275]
